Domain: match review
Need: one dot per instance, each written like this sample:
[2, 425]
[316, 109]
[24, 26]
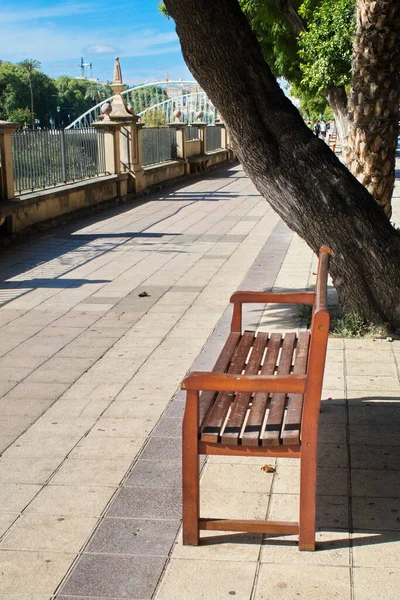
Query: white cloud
[100, 49]
[48, 12]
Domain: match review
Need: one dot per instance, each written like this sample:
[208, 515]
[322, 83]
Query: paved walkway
[90, 413]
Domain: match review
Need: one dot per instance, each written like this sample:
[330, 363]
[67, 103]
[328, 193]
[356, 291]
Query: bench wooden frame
[227, 418]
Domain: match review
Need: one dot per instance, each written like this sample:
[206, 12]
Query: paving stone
[27, 470]
[375, 457]
[375, 434]
[373, 482]
[147, 503]
[332, 548]
[175, 409]
[62, 500]
[236, 477]
[332, 511]
[14, 497]
[369, 582]
[168, 427]
[162, 448]
[203, 579]
[376, 514]
[107, 576]
[32, 572]
[86, 471]
[221, 545]
[48, 533]
[311, 582]
[155, 474]
[142, 537]
[30, 446]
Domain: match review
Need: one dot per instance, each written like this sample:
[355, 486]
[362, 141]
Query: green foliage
[98, 91]
[154, 118]
[163, 10]
[141, 99]
[30, 65]
[317, 58]
[20, 115]
[325, 50]
[277, 40]
[15, 92]
[75, 96]
[352, 325]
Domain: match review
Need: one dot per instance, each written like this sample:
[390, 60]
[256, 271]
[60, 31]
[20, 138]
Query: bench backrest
[318, 346]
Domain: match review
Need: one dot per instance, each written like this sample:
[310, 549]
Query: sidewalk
[90, 413]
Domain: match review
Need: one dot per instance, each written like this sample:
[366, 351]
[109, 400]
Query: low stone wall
[40, 206]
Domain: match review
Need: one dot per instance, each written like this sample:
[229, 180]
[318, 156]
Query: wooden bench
[262, 398]
[332, 140]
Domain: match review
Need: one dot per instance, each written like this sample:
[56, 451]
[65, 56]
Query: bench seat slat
[272, 431]
[239, 407]
[211, 429]
[222, 364]
[252, 431]
[291, 430]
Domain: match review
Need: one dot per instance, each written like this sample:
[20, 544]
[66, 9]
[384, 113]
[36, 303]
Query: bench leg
[308, 481]
[190, 472]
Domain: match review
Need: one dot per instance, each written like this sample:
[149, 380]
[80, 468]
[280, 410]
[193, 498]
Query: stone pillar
[224, 135]
[111, 145]
[128, 134]
[181, 143]
[7, 186]
[203, 135]
[140, 179]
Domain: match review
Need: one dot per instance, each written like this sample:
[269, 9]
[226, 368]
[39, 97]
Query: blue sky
[58, 33]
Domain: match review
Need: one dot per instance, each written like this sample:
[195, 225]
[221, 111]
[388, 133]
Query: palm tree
[374, 99]
[98, 91]
[30, 65]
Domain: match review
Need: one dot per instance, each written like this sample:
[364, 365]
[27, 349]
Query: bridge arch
[166, 95]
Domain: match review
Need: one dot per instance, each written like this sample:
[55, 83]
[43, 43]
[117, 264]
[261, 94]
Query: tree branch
[291, 16]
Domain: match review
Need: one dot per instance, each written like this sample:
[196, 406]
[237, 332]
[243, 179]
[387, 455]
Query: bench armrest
[274, 297]
[240, 298]
[227, 382]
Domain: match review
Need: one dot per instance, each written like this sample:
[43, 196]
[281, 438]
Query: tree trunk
[299, 175]
[374, 99]
[336, 97]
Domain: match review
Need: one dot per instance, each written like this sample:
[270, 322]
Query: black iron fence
[44, 159]
[213, 138]
[192, 133]
[158, 144]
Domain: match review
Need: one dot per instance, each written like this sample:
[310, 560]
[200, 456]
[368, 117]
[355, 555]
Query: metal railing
[44, 159]
[192, 133]
[213, 138]
[158, 144]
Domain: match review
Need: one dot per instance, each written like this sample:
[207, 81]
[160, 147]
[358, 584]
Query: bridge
[165, 97]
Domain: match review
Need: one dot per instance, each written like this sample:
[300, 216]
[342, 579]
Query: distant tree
[20, 115]
[98, 91]
[30, 66]
[72, 95]
[15, 93]
[146, 97]
[154, 118]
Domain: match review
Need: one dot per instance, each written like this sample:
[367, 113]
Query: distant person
[322, 129]
[316, 128]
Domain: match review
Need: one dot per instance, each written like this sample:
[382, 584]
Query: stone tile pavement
[90, 413]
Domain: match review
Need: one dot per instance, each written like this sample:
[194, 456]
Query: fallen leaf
[268, 469]
[143, 294]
